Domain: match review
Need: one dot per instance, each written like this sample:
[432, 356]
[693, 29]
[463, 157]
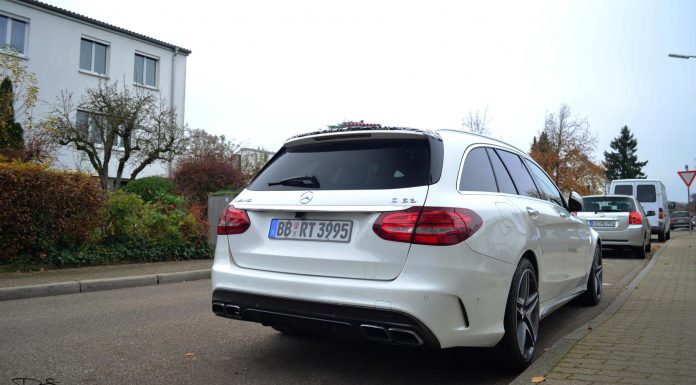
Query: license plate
[602, 223]
[311, 230]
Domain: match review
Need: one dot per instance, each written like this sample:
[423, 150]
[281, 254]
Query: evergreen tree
[622, 163]
[11, 133]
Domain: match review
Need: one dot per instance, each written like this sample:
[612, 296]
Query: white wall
[52, 52]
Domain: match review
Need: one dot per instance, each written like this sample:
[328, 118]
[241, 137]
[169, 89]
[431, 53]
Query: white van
[652, 195]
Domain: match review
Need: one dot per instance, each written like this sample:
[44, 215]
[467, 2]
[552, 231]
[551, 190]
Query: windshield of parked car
[348, 165]
[680, 214]
[608, 204]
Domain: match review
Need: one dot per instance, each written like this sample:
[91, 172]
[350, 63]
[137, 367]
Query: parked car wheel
[648, 247]
[661, 236]
[521, 317]
[594, 282]
[640, 251]
[668, 235]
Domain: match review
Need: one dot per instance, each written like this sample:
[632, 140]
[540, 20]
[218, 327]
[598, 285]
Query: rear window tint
[505, 184]
[680, 214]
[646, 193]
[523, 181]
[477, 174]
[354, 165]
[623, 189]
[608, 204]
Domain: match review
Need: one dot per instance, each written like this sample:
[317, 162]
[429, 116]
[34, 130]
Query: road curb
[551, 357]
[89, 285]
[19, 292]
[183, 276]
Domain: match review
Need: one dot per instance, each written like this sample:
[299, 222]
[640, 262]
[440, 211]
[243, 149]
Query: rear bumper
[344, 321]
[447, 296]
[632, 236]
[683, 225]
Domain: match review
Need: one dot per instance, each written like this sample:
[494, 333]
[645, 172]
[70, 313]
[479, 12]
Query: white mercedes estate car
[404, 236]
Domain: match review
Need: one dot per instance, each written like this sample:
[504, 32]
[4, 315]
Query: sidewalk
[651, 339]
[14, 285]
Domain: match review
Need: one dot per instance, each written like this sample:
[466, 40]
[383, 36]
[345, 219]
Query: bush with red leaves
[195, 178]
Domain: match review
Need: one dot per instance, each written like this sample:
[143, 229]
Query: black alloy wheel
[594, 280]
[522, 317]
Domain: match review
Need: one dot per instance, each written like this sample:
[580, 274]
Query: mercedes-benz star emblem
[306, 197]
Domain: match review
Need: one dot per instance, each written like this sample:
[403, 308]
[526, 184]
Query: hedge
[151, 188]
[45, 210]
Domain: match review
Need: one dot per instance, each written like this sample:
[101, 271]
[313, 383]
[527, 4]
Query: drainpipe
[171, 99]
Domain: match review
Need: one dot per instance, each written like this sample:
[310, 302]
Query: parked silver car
[619, 220]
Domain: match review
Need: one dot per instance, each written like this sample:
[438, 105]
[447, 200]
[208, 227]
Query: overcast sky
[262, 71]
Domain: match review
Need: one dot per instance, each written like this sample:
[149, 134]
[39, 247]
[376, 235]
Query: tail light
[233, 221]
[634, 218]
[439, 226]
[662, 213]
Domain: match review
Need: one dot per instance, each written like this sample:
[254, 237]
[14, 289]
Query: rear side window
[608, 204]
[353, 165]
[520, 175]
[477, 174]
[505, 184]
[623, 189]
[646, 193]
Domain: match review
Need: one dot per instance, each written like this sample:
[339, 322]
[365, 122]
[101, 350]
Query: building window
[145, 71]
[13, 33]
[93, 56]
[91, 126]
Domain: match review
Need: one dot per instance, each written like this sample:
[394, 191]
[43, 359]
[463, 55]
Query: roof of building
[89, 20]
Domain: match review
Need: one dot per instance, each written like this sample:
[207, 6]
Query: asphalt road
[167, 334]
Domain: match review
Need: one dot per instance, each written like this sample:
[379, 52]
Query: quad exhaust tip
[395, 335]
[377, 333]
[405, 336]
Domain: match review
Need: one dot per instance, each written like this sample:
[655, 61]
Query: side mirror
[672, 205]
[574, 202]
[650, 213]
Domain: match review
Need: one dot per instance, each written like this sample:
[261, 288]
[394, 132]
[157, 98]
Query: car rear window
[348, 165]
[623, 189]
[608, 204]
[646, 193]
[680, 214]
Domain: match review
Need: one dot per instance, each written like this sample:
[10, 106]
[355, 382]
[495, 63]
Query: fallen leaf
[536, 380]
[589, 328]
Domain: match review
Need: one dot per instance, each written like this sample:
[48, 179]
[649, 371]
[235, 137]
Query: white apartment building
[71, 52]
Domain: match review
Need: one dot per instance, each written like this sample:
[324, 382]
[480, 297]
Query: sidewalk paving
[15, 285]
[651, 339]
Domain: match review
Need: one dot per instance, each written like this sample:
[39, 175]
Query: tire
[648, 247]
[640, 251]
[521, 318]
[668, 235]
[661, 236]
[593, 295]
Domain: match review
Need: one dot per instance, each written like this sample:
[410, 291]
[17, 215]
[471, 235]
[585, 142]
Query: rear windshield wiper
[298, 181]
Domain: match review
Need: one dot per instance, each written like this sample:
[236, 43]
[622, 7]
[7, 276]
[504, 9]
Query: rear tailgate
[322, 238]
[313, 207]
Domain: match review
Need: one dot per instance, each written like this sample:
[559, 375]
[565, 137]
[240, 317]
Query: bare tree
[142, 127]
[477, 122]
[201, 145]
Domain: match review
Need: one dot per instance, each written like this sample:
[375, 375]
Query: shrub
[151, 188]
[43, 210]
[195, 178]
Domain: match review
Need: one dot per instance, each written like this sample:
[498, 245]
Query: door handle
[565, 215]
[532, 213]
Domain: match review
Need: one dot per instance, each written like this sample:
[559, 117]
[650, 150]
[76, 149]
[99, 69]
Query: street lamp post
[680, 56]
[688, 192]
